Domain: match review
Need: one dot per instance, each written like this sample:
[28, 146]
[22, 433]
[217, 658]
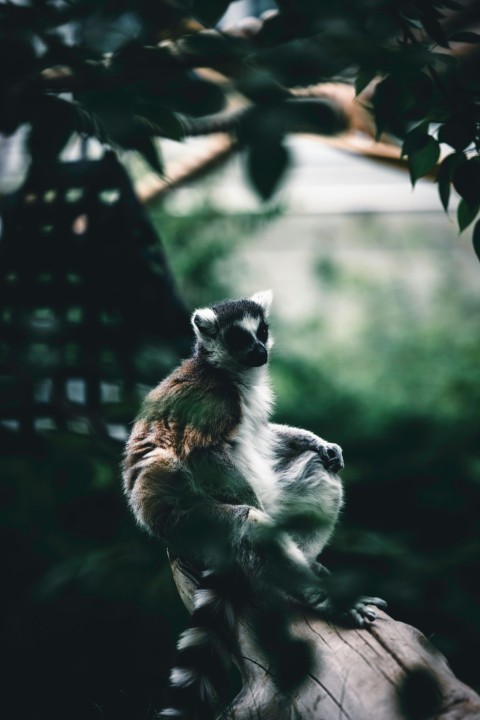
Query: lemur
[207, 472]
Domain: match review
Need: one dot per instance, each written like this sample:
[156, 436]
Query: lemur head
[234, 334]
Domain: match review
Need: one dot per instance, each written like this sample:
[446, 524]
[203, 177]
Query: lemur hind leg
[311, 500]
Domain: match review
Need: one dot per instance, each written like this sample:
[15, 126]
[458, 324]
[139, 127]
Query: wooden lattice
[88, 312]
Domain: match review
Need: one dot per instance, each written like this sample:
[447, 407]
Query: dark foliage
[141, 81]
[90, 613]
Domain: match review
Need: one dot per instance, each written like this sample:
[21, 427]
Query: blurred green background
[377, 348]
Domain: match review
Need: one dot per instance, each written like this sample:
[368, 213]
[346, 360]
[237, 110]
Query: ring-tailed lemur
[206, 471]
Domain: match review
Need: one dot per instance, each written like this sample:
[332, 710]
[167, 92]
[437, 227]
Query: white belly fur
[253, 449]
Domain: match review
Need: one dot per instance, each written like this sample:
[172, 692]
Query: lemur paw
[332, 457]
[360, 615]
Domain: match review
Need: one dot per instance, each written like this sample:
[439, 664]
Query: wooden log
[356, 675]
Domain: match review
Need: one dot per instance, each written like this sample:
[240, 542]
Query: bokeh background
[376, 320]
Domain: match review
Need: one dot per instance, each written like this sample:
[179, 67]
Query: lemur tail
[201, 675]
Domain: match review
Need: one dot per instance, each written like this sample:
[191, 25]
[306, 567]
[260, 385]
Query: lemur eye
[262, 332]
[237, 338]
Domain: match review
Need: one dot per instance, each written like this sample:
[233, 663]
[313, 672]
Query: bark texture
[357, 674]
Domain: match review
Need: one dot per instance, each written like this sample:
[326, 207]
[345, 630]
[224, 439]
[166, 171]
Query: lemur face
[235, 333]
[246, 340]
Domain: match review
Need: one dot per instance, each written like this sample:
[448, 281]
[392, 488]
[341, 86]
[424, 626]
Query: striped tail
[200, 679]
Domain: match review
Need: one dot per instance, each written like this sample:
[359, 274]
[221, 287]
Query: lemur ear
[204, 323]
[264, 299]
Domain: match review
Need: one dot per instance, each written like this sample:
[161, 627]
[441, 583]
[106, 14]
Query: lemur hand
[359, 615]
[332, 456]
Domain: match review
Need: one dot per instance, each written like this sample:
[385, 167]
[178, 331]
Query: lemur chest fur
[252, 444]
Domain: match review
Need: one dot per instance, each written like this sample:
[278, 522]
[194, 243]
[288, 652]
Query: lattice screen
[88, 312]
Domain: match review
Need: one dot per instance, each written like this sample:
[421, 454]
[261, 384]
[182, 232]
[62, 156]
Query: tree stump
[357, 674]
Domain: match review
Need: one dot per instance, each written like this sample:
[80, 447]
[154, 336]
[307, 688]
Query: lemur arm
[291, 441]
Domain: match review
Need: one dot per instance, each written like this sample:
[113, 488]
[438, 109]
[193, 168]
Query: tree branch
[388, 670]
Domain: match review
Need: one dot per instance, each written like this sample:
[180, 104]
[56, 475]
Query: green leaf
[311, 115]
[444, 177]
[466, 179]
[53, 122]
[112, 112]
[261, 87]
[458, 132]
[476, 239]
[466, 37]
[422, 157]
[210, 11]
[420, 100]
[364, 78]
[88, 124]
[214, 46]
[266, 164]
[192, 95]
[435, 30]
[423, 152]
[147, 147]
[140, 140]
[160, 120]
[415, 140]
[466, 214]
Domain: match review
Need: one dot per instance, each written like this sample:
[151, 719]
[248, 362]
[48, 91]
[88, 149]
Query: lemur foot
[332, 456]
[359, 615]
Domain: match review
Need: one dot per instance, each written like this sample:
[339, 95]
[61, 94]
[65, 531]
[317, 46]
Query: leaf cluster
[433, 100]
[142, 83]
